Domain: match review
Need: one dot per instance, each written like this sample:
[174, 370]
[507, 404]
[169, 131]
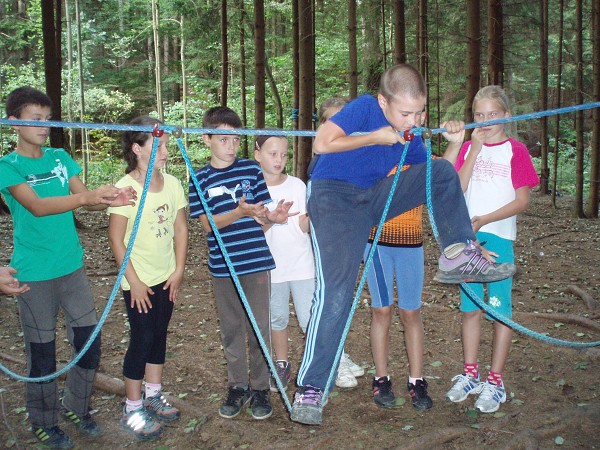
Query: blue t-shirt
[244, 239]
[365, 165]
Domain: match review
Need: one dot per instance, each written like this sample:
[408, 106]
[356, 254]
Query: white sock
[413, 380]
[132, 405]
[152, 389]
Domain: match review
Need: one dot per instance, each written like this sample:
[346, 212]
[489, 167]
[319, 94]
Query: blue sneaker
[464, 386]
[308, 406]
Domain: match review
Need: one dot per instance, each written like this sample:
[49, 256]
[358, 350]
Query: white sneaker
[345, 378]
[464, 386]
[356, 370]
[490, 398]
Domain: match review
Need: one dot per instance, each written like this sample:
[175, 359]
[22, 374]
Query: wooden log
[590, 302]
[564, 318]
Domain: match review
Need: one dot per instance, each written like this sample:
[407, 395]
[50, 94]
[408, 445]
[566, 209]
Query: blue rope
[234, 275]
[258, 132]
[113, 294]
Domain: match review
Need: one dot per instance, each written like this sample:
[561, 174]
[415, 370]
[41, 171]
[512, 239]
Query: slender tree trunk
[578, 207]
[561, 9]
[423, 49]
[399, 33]
[295, 76]
[352, 50]
[184, 89]
[22, 13]
[383, 37]
[495, 43]
[259, 64]
[157, 68]
[243, 75]
[372, 52]
[595, 156]
[306, 85]
[473, 56]
[544, 95]
[84, 132]
[51, 31]
[275, 91]
[68, 21]
[224, 54]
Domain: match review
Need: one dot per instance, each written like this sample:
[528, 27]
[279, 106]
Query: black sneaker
[261, 405]
[283, 372]
[382, 393]
[85, 424]
[418, 392]
[52, 437]
[237, 398]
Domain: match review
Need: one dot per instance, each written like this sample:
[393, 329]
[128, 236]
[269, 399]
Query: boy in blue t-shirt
[236, 193]
[348, 191]
[42, 188]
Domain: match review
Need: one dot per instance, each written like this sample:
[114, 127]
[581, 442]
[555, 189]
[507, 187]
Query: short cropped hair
[221, 115]
[25, 96]
[402, 79]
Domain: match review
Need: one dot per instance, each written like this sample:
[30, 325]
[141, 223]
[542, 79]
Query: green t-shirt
[44, 247]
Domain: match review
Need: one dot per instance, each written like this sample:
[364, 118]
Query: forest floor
[553, 392]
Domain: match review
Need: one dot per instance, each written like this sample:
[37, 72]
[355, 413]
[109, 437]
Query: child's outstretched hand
[455, 131]
[9, 284]
[487, 254]
[281, 213]
[112, 196]
[256, 210]
[125, 197]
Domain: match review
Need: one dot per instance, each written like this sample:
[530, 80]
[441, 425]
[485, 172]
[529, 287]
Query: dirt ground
[554, 391]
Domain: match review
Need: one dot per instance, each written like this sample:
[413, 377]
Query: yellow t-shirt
[153, 254]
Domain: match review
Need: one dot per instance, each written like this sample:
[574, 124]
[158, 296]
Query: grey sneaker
[471, 267]
[261, 405]
[490, 398]
[464, 386]
[160, 408]
[383, 396]
[308, 407]
[140, 423]
[237, 398]
[283, 372]
[85, 424]
[52, 437]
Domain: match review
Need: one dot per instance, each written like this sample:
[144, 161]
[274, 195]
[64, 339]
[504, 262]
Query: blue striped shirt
[244, 239]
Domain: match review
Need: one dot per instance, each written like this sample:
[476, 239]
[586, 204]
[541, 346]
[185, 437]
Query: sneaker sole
[424, 407]
[443, 277]
[307, 415]
[385, 405]
[165, 419]
[262, 417]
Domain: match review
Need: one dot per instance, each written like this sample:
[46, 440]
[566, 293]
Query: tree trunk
[276, 96]
[423, 46]
[544, 95]
[52, 31]
[372, 52]
[473, 56]
[243, 75]
[352, 51]
[259, 64]
[495, 43]
[71, 131]
[84, 132]
[157, 68]
[578, 206]
[306, 85]
[224, 54]
[561, 9]
[399, 33]
[296, 77]
[595, 156]
[383, 37]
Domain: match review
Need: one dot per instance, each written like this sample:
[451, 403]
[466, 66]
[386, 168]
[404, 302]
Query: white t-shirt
[290, 246]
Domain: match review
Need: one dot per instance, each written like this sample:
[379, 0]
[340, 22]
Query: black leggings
[148, 333]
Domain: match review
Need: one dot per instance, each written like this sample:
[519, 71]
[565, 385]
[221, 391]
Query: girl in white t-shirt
[291, 248]
[496, 174]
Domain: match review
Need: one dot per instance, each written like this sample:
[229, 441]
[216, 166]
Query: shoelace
[311, 396]
[487, 391]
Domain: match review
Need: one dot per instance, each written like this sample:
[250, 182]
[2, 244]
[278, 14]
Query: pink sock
[471, 370]
[132, 405]
[495, 378]
[152, 389]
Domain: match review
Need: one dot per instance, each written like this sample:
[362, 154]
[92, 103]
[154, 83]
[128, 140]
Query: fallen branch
[563, 318]
[590, 302]
[539, 238]
[437, 439]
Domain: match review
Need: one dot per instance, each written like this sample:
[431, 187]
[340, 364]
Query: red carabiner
[157, 132]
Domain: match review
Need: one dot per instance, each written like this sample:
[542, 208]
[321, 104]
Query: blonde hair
[333, 102]
[400, 80]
